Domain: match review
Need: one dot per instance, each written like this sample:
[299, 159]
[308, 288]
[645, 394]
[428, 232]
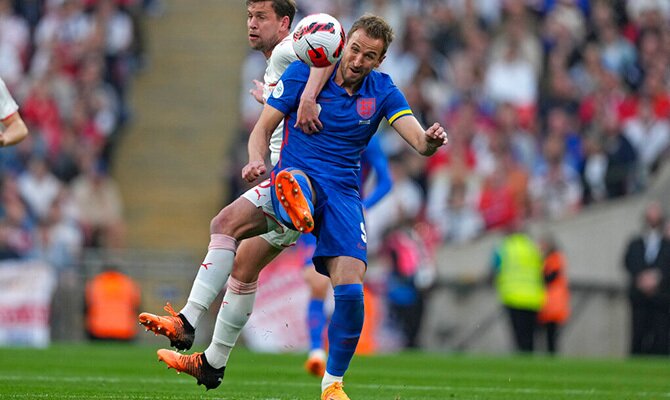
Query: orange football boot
[316, 366]
[195, 365]
[174, 327]
[334, 392]
[293, 200]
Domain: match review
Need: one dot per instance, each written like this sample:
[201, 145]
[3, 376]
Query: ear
[380, 61]
[285, 23]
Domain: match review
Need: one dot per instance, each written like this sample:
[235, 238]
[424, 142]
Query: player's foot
[334, 392]
[316, 363]
[195, 365]
[174, 326]
[293, 200]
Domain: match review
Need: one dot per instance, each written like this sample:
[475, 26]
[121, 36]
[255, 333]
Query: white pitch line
[425, 388]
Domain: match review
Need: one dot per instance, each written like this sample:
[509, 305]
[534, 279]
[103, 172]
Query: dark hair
[376, 28]
[283, 8]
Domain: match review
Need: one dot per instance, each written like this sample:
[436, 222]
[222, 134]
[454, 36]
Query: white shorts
[279, 235]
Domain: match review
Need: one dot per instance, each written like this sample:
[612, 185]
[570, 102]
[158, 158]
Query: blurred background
[139, 112]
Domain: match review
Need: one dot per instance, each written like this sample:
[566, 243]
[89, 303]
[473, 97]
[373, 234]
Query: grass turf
[118, 371]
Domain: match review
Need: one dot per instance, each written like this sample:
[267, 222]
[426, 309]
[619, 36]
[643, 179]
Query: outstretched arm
[425, 142]
[15, 131]
[308, 112]
[259, 140]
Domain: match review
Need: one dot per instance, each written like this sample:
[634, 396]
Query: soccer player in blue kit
[316, 186]
[374, 166]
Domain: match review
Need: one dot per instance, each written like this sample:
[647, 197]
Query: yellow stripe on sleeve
[399, 114]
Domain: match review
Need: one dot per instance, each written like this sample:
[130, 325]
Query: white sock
[235, 311]
[328, 380]
[212, 276]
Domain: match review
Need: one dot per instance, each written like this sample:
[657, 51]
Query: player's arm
[425, 142]
[259, 139]
[15, 130]
[308, 112]
[375, 157]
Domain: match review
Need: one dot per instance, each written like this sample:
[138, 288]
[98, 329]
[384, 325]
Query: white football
[318, 40]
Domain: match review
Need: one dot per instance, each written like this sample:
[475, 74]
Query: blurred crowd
[69, 64]
[550, 106]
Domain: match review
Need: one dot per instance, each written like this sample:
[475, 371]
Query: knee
[224, 222]
[245, 273]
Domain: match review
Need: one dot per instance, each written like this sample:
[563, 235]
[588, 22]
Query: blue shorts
[339, 228]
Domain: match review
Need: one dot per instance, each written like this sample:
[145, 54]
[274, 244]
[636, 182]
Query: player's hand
[253, 170]
[436, 136]
[257, 92]
[308, 116]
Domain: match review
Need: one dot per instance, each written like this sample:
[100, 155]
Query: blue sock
[345, 327]
[306, 191]
[316, 320]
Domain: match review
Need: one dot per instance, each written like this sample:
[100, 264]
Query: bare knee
[240, 220]
[224, 222]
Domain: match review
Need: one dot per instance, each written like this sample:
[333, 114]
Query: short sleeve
[285, 96]
[7, 104]
[397, 106]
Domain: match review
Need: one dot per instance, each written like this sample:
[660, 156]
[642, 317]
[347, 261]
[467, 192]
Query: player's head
[367, 42]
[268, 22]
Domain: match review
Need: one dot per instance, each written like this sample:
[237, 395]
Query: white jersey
[282, 56]
[7, 104]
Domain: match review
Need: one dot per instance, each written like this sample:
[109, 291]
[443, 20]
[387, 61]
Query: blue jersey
[373, 160]
[332, 156]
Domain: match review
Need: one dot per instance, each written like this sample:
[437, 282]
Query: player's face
[361, 55]
[264, 27]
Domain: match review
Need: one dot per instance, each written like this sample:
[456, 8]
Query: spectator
[38, 187]
[112, 304]
[555, 187]
[556, 309]
[98, 200]
[649, 135]
[59, 240]
[517, 272]
[622, 174]
[647, 261]
[409, 263]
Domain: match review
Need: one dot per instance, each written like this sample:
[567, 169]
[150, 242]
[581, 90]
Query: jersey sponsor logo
[278, 90]
[364, 235]
[366, 107]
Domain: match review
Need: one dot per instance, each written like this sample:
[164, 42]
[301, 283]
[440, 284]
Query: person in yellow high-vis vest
[517, 269]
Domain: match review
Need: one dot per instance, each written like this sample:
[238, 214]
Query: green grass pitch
[118, 371]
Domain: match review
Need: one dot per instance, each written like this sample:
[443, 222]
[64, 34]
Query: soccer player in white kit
[269, 24]
[13, 128]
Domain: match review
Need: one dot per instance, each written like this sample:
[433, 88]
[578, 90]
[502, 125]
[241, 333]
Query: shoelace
[171, 310]
[336, 386]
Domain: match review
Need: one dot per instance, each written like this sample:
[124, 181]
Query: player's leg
[252, 256]
[346, 323]
[239, 220]
[319, 286]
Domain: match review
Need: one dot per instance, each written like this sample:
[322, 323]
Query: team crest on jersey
[366, 107]
[278, 90]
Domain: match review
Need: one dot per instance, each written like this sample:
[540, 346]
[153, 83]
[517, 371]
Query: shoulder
[381, 81]
[297, 69]
[283, 52]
